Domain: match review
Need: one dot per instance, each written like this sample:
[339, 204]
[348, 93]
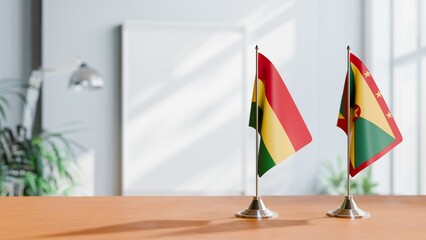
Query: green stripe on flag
[343, 100]
[369, 140]
[353, 90]
[265, 160]
[252, 121]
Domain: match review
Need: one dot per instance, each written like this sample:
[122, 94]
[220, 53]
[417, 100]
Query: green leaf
[30, 181]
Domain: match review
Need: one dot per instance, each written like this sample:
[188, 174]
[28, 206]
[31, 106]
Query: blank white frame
[125, 144]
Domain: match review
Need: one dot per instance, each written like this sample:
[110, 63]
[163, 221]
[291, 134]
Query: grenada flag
[373, 128]
[281, 127]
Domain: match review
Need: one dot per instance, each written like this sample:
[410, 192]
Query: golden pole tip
[257, 47]
[349, 48]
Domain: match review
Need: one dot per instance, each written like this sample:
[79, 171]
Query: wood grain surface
[300, 217]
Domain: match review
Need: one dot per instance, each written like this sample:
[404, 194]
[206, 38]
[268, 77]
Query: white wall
[340, 24]
[15, 47]
[378, 59]
[305, 39]
[395, 47]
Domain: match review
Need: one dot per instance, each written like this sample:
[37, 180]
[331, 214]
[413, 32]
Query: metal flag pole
[348, 121]
[257, 208]
[257, 121]
[348, 209]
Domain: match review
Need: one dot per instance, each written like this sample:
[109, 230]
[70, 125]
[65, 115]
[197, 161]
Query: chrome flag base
[257, 209]
[349, 209]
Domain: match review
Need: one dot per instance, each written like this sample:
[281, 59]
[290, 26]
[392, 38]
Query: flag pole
[257, 121]
[348, 209]
[348, 119]
[257, 208]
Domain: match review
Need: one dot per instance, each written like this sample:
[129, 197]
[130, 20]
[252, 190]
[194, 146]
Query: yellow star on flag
[378, 94]
[367, 74]
[389, 114]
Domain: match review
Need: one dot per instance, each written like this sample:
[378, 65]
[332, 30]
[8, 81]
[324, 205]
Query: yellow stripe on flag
[367, 101]
[273, 134]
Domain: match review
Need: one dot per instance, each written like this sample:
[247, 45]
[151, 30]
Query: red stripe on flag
[282, 103]
[343, 123]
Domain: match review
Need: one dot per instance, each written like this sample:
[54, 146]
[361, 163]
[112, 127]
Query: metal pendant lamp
[86, 77]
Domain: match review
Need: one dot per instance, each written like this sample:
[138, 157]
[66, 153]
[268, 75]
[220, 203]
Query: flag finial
[257, 47]
[349, 48]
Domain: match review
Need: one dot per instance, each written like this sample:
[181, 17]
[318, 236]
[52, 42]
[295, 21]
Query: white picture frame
[198, 148]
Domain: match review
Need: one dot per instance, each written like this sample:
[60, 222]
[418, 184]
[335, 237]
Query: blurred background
[172, 115]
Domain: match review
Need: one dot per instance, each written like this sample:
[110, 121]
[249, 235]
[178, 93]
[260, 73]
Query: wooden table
[301, 217]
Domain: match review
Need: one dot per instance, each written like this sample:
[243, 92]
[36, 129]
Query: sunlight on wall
[205, 52]
[85, 186]
[190, 108]
[186, 117]
[266, 13]
[406, 115]
[191, 120]
[405, 33]
[283, 37]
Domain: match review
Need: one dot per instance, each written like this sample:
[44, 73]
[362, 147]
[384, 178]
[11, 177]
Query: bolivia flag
[281, 126]
[373, 129]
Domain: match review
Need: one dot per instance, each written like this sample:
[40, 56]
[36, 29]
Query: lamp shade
[86, 78]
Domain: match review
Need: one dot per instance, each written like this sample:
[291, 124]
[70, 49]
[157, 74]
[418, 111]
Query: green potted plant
[32, 166]
[333, 180]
